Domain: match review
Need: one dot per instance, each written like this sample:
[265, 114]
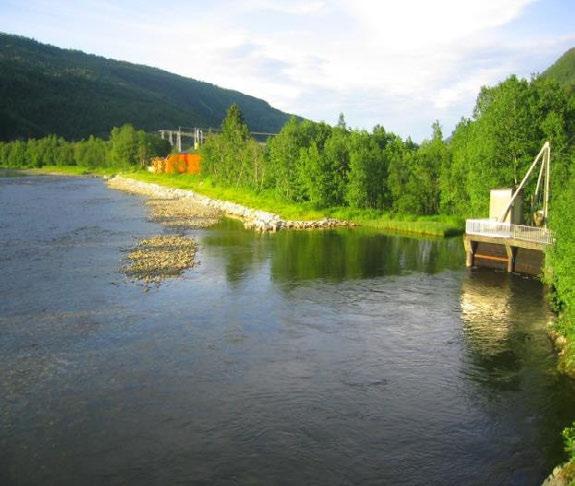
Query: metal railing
[532, 233]
[490, 227]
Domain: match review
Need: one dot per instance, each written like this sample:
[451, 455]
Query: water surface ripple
[337, 357]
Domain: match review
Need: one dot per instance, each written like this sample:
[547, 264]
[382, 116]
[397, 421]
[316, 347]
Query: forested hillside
[47, 90]
[563, 70]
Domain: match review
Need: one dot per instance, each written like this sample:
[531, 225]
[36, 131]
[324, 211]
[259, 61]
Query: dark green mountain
[45, 90]
[563, 70]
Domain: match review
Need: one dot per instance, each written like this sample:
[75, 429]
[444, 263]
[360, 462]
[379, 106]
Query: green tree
[510, 124]
[286, 155]
[454, 177]
[125, 146]
[17, 154]
[561, 256]
[234, 127]
[324, 171]
[232, 157]
[367, 173]
[131, 147]
[91, 153]
[399, 174]
[431, 158]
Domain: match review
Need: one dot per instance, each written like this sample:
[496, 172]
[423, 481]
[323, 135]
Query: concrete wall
[499, 199]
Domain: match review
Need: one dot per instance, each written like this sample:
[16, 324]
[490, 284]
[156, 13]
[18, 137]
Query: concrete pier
[514, 248]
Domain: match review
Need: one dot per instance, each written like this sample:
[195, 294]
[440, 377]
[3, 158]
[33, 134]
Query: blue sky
[399, 64]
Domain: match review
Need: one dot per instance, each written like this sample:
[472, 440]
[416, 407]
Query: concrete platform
[506, 253]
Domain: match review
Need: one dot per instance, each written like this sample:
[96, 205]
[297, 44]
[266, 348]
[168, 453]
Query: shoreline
[275, 214]
[562, 343]
[292, 215]
[562, 475]
[254, 219]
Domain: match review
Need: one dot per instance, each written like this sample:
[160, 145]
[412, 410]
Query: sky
[401, 64]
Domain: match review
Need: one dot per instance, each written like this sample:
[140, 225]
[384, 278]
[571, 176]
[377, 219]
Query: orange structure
[177, 164]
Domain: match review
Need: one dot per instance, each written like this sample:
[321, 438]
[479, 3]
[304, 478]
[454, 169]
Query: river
[334, 357]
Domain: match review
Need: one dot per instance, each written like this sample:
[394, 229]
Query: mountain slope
[563, 70]
[45, 89]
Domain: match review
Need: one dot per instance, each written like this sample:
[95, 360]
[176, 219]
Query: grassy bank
[260, 200]
[74, 170]
[565, 473]
[569, 440]
[560, 260]
[438, 225]
[563, 334]
[70, 170]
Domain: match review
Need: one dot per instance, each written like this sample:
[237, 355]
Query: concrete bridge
[175, 136]
[198, 135]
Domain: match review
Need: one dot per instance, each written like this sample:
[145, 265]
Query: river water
[336, 357]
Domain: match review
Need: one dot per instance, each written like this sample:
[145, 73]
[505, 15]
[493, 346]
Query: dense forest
[125, 148]
[46, 90]
[336, 166]
[563, 71]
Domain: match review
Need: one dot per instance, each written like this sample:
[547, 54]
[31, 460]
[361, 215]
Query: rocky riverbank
[563, 475]
[160, 257]
[564, 348]
[252, 218]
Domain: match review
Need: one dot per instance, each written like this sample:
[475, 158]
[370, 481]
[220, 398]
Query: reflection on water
[504, 318]
[486, 306]
[509, 357]
[337, 357]
[334, 255]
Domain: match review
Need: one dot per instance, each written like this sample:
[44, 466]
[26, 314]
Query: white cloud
[403, 53]
[418, 23]
[397, 51]
[285, 6]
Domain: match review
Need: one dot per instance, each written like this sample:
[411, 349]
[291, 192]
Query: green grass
[78, 171]
[569, 440]
[264, 201]
[71, 170]
[439, 225]
[568, 471]
[565, 325]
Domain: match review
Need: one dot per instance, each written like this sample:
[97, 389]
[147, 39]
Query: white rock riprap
[561, 476]
[252, 218]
